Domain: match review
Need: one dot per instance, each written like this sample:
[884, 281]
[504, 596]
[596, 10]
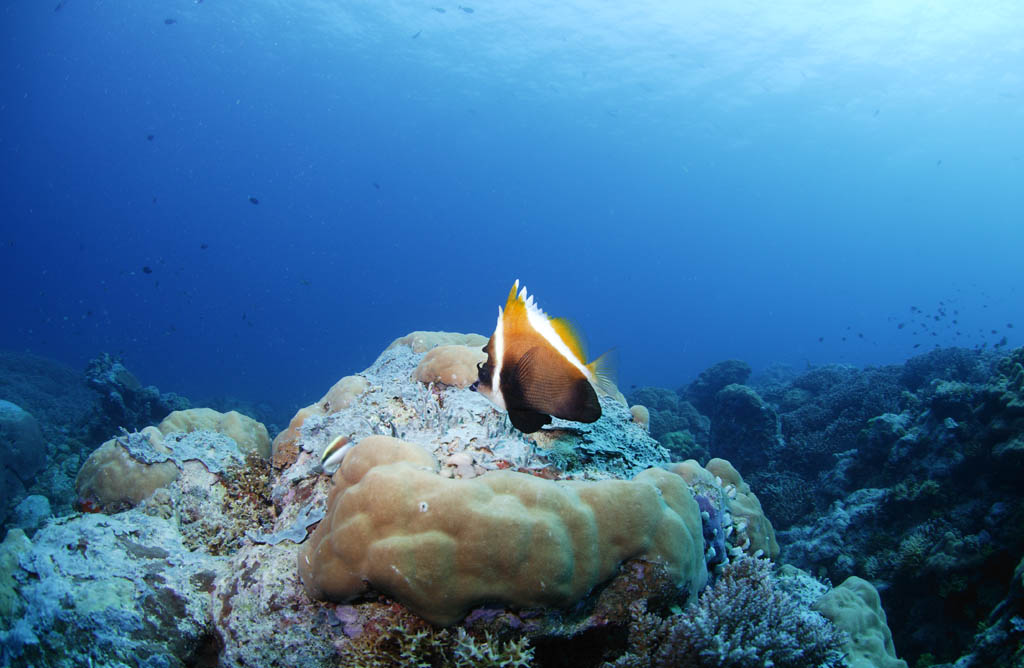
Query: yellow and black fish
[536, 368]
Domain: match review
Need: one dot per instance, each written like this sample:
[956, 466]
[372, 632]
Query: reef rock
[701, 392]
[104, 590]
[30, 514]
[743, 424]
[25, 454]
[126, 402]
[24, 446]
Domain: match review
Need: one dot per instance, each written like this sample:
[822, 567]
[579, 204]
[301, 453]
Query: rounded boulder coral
[450, 365]
[111, 480]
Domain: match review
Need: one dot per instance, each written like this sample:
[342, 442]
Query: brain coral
[450, 365]
[442, 546]
[250, 435]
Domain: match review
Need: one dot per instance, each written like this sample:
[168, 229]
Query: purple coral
[714, 534]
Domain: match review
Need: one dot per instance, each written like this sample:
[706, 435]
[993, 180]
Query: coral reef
[55, 395]
[744, 425]
[999, 642]
[421, 341]
[12, 605]
[907, 476]
[339, 397]
[204, 568]
[927, 505]
[72, 414]
[248, 434]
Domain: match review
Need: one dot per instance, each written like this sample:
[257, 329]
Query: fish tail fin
[604, 369]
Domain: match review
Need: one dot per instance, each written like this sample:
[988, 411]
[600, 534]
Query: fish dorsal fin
[512, 296]
[515, 307]
[544, 381]
[571, 336]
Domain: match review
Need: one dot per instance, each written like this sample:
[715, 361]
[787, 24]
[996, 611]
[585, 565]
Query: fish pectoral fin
[544, 382]
[528, 421]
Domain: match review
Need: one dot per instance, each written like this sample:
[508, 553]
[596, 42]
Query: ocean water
[253, 199]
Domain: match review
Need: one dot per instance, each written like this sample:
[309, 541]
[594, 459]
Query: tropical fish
[334, 453]
[536, 368]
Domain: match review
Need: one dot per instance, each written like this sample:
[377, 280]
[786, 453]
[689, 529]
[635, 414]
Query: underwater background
[687, 182]
[798, 224]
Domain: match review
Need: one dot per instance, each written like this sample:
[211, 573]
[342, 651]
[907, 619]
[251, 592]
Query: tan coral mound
[855, 607]
[421, 341]
[641, 415]
[111, 480]
[284, 447]
[341, 395]
[450, 365]
[250, 435]
[443, 546]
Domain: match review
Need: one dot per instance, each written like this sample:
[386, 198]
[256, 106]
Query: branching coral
[745, 621]
[422, 646]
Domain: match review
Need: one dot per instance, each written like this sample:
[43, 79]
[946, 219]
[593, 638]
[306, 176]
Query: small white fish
[335, 453]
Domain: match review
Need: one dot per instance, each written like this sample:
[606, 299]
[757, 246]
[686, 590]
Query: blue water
[688, 182]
